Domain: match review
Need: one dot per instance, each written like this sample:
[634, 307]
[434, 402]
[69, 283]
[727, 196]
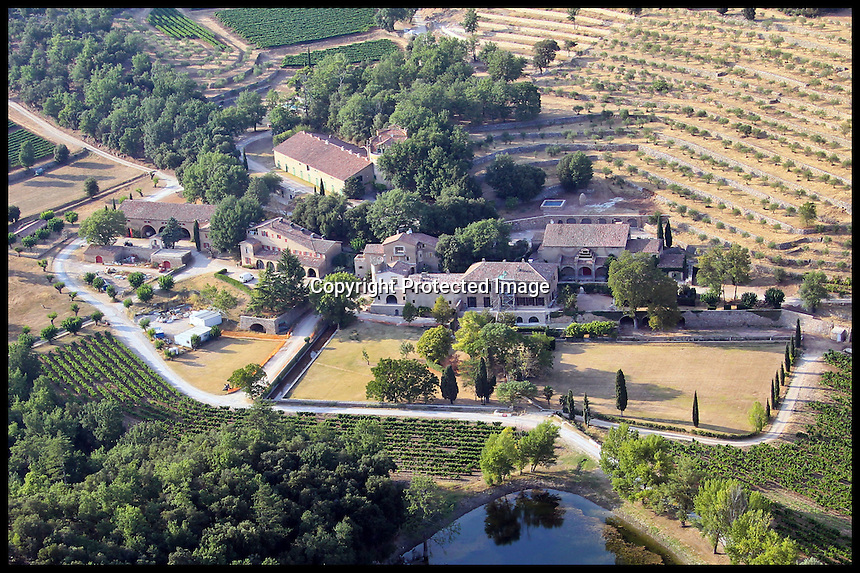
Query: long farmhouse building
[327, 162]
[148, 218]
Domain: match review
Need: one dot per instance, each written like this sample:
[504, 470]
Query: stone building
[264, 244]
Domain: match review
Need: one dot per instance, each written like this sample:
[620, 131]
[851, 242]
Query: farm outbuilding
[839, 334]
[206, 318]
[184, 337]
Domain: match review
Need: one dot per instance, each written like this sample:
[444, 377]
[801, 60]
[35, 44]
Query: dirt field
[59, 186]
[208, 367]
[31, 297]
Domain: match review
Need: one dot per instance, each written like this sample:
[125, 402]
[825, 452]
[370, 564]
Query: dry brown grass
[661, 379]
[31, 298]
[208, 367]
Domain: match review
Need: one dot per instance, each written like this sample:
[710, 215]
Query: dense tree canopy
[485, 239]
[261, 490]
[103, 226]
[635, 282]
[72, 65]
[280, 289]
[402, 380]
[231, 219]
[522, 181]
[213, 176]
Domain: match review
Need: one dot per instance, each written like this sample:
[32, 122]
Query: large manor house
[567, 246]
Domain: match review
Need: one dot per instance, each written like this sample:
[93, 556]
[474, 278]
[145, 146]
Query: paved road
[123, 328]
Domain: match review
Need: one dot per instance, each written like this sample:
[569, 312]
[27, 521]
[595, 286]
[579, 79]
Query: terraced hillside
[734, 127]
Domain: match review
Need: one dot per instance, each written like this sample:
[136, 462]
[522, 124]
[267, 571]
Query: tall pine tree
[667, 235]
[586, 410]
[798, 339]
[787, 359]
[620, 391]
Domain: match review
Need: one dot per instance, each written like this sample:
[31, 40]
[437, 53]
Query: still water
[537, 527]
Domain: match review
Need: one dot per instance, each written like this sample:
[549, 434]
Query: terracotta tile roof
[293, 232]
[158, 211]
[373, 249]
[515, 271]
[644, 246]
[412, 239]
[588, 235]
[672, 258]
[387, 136]
[333, 157]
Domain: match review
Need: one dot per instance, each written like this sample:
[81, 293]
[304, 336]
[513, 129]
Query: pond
[539, 527]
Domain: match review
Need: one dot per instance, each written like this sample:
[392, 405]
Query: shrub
[593, 329]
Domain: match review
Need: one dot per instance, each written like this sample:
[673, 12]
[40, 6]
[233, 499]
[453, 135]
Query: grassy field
[208, 367]
[661, 379]
[340, 372]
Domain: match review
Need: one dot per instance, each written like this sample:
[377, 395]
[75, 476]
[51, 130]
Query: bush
[748, 299]
[774, 297]
[710, 299]
[593, 329]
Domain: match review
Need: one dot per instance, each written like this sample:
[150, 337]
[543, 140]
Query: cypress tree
[481, 381]
[773, 394]
[448, 384]
[792, 348]
[797, 336]
[787, 359]
[660, 231]
[197, 234]
[781, 375]
[620, 391]
[667, 236]
[586, 410]
[571, 412]
[695, 410]
[767, 409]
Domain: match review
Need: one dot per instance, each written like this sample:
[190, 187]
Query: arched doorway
[681, 322]
[567, 273]
[100, 259]
[585, 221]
[259, 264]
[519, 320]
[270, 266]
[256, 327]
[391, 299]
[632, 222]
[601, 274]
[312, 273]
[585, 272]
[147, 231]
[571, 220]
[534, 319]
[165, 264]
[626, 323]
